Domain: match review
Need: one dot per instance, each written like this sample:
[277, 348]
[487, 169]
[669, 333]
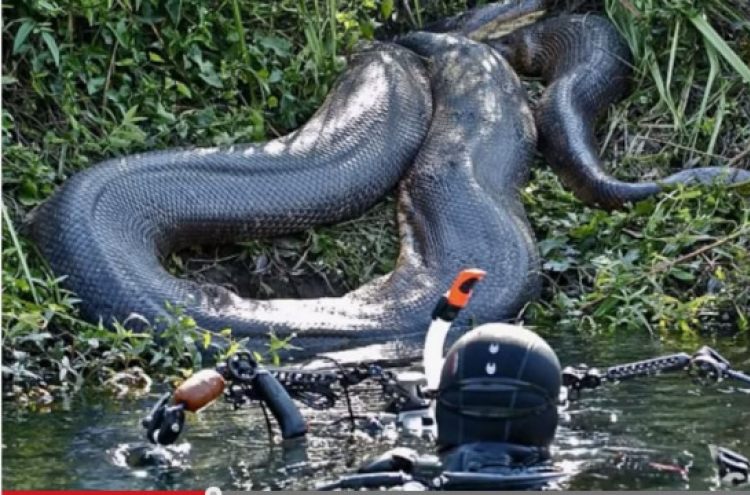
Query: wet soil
[262, 276]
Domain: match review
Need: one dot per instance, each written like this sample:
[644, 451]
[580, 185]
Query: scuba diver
[496, 414]
[496, 409]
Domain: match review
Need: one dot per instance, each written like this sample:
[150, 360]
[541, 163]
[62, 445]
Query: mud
[261, 276]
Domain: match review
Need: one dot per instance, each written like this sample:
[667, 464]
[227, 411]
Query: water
[607, 438]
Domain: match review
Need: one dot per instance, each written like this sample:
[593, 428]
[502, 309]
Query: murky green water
[607, 438]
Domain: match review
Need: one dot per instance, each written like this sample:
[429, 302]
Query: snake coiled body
[441, 115]
[464, 124]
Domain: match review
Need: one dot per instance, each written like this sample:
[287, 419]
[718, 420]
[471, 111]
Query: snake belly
[445, 109]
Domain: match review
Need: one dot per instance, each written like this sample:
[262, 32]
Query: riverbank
[83, 82]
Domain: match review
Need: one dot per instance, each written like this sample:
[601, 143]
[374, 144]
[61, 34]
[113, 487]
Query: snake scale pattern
[439, 114]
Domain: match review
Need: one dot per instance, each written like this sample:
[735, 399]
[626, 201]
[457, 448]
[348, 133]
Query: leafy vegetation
[88, 79]
[677, 264]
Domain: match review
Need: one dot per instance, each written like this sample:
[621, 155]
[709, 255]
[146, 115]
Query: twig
[631, 8]
[734, 161]
[633, 233]
[668, 264]
[408, 11]
[593, 302]
[110, 71]
[677, 146]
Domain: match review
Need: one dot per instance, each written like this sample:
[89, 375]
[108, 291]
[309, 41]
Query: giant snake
[438, 113]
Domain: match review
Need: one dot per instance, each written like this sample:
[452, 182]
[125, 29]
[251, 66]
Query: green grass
[86, 79]
[650, 267]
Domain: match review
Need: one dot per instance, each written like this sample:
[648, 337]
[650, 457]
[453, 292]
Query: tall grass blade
[721, 46]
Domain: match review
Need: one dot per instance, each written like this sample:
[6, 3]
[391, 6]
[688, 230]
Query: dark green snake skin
[438, 115]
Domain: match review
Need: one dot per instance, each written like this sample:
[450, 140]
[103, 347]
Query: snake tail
[586, 65]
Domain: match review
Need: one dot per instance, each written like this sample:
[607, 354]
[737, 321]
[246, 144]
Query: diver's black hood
[499, 383]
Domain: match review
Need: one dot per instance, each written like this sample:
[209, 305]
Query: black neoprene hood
[499, 383]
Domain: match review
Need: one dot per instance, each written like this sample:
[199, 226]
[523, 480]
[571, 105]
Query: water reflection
[623, 437]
